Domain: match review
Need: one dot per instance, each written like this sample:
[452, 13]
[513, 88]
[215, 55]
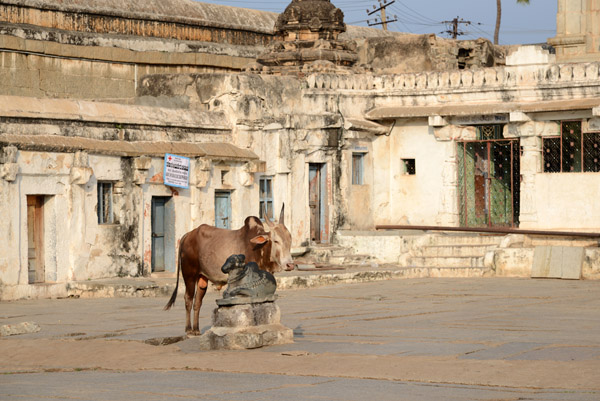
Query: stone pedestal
[246, 326]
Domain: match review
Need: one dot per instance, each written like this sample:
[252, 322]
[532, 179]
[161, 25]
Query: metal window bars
[489, 180]
[573, 151]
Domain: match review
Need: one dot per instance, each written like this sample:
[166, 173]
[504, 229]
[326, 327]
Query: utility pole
[384, 20]
[454, 27]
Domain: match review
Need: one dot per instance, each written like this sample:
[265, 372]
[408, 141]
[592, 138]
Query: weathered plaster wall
[567, 200]
[40, 68]
[409, 53]
[409, 199]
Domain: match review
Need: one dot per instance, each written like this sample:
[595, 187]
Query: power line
[453, 27]
[384, 20]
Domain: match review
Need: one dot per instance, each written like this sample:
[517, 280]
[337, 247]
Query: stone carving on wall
[8, 163]
[141, 164]
[81, 172]
[202, 172]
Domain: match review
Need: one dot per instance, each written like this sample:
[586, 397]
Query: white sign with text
[177, 171]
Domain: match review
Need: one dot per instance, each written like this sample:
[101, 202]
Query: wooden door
[35, 239]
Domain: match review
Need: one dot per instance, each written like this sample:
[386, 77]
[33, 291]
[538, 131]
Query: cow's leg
[190, 288]
[200, 292]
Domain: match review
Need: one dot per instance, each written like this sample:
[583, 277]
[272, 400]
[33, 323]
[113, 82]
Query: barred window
[105, 203]
[358, 161]
[573, 151]
[266, 196]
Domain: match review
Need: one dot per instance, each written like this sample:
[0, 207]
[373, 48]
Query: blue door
[158, 233]
[223, 209]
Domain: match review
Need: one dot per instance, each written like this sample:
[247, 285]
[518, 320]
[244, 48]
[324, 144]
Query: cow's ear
[260, 239]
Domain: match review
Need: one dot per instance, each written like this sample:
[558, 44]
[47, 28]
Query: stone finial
[310, 20]
[305, 34]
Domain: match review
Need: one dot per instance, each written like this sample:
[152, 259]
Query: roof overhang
[465, 109]
[63, 144]
[357, 124]
[113, 113]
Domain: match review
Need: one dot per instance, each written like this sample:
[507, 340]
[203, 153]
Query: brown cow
[205, 249]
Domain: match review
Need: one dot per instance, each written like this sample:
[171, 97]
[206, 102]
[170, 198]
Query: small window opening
[358, 161]
[225, 177]
[266, 197]
[463, 57]
[105, 203]
[409, 166]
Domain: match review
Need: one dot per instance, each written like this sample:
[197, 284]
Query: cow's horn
[282, 215]
[266, 216]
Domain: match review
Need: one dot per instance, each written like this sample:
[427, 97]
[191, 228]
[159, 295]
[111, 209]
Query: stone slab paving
[417, 339]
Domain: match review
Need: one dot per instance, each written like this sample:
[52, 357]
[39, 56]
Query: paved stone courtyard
[416, 339]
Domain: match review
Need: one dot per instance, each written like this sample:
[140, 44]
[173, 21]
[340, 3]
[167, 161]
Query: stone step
[357, 259]
[453, 250]
[452, 262]
[439, 240]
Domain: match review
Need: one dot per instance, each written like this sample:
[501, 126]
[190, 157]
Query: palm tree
[499, 17]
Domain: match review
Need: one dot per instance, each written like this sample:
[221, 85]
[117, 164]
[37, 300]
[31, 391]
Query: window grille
[266, 196]
[489, 132]
[573, 151]
[105, 203]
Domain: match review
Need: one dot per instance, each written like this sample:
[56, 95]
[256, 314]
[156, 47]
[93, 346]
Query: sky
[521, 24]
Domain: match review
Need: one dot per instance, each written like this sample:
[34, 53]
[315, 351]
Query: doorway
[223, 209]
[161, 221]
[317, 197]
[35, 239]
[489, 183]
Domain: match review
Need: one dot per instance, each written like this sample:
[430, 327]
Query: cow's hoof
[193, 333]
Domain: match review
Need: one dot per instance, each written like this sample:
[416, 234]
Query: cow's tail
[174, 295]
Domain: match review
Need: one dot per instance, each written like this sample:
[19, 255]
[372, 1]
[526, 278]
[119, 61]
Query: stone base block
[246, 326]
[246, 338]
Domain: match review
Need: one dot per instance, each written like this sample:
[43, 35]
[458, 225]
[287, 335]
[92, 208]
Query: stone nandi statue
[246, 283]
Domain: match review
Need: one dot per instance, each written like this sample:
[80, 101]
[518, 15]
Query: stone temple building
[351, 128]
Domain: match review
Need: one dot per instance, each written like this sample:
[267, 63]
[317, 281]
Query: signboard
[177, 171]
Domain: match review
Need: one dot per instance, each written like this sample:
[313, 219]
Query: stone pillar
[531, 134]
[449, 216]
[80, 194]
[531, 162]
[449, 134]
[8, 164]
